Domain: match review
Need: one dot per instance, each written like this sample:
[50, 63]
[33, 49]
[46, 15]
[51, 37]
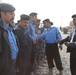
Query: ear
[2, 13]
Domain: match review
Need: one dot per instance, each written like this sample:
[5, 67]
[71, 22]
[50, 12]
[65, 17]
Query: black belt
[51, 43]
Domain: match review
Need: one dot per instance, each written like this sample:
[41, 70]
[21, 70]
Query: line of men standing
[18, 45]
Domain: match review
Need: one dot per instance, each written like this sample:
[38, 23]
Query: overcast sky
[58, 11]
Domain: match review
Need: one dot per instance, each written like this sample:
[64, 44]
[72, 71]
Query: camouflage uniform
[39, 51]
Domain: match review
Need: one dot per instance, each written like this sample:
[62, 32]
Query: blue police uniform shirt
[31, 30]
[26, 30]
[12, 40]
[50, 35]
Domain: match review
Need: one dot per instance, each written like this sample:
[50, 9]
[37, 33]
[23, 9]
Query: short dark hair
[24, 17]
[74, 16]
[46, 20]
[33, 14]
[51, 23]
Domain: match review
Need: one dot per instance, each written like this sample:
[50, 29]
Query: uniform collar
[31, 21]
[49, 27]
[6, 27]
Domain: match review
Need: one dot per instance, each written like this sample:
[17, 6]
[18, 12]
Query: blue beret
[6, 7]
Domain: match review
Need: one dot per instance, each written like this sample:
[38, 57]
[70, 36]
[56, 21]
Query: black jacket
[25, 48]
[72, 47]
[5, 52]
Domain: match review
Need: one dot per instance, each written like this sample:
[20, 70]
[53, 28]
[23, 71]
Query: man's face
[8, 17]
[24, 23]
[46, 24]
[74, 21]
[34, 18]
[37, 23]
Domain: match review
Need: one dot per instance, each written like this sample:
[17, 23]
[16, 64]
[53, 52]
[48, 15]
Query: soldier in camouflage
[40, 49]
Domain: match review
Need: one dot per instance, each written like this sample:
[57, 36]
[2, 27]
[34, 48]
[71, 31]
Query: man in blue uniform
[8, 40]
[32, 34]
[31, 27]
[51, 35]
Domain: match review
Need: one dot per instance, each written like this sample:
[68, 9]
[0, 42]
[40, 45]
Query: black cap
[24, 17]
[6, 7]
[33, 14]
[48, 20]
[74, 16]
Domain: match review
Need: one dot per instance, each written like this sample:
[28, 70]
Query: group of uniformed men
[23, 46]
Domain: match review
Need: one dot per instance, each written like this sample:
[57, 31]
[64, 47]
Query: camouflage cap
[6, 7]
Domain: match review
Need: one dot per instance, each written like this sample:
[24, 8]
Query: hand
[35, 41]
[60, 47]
[67, 44]
[58, 41]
